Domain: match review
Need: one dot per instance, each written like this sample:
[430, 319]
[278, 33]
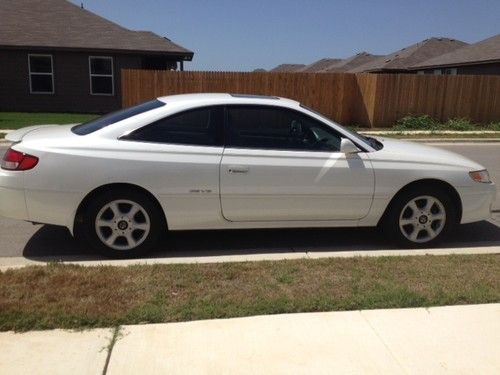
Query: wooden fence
[369, 100]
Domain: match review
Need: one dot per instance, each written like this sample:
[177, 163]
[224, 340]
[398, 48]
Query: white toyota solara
[223, 161]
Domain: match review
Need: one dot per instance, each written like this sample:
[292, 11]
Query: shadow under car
[51, 243]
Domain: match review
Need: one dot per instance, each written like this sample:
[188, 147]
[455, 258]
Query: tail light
[17, 161]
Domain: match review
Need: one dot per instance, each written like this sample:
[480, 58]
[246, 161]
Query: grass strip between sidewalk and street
[69, 296]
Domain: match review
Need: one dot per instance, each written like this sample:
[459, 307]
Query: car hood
[396, 149]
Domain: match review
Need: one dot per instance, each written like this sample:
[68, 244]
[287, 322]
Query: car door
[178, 158]
[280, 164]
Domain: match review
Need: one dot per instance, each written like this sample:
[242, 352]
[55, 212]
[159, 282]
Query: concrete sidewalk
[439, 340]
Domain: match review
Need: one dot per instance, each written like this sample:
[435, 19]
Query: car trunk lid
[39, 132]
[18, 135]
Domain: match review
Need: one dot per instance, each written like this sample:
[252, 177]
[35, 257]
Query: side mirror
[347, 147]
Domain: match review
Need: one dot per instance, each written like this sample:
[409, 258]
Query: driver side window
[274, 128]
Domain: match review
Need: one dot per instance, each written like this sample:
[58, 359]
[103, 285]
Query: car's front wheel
[122, 224]
[421, 217]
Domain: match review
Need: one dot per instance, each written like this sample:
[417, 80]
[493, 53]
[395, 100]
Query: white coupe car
[224, 161]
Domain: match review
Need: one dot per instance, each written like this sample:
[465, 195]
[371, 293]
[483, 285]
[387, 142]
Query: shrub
[423, 122]
[459, 124]
[493, 126]
[426, 122]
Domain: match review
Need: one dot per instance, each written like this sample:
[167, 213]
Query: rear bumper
[40, 206]
[477, 202]
[12, 197]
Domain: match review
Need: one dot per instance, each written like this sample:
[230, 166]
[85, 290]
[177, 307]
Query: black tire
[391, 221]
[149, 216]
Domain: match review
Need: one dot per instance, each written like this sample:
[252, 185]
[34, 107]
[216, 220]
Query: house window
[41, 74]
[101, 75]
[420, 72]
[437, 72]
[451, 71]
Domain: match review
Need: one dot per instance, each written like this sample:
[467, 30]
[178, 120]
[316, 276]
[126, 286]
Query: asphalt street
[39, 242]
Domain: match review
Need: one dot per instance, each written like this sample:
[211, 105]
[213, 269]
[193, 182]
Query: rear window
[114, 117]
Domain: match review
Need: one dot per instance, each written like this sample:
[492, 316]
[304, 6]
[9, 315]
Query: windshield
[114, 117]
[377, 145]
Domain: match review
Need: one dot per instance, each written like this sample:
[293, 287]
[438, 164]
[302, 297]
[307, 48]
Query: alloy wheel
[122, 224]
[422, 219]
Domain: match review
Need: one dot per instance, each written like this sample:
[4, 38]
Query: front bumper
[477, 202]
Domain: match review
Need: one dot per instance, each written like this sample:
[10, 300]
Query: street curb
[21, 262]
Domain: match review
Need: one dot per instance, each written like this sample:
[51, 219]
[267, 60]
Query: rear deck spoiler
[17, 135]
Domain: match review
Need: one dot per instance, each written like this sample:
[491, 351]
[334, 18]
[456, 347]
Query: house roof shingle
[61, 24]
[319, 65]
[487, 50]
[351, 62]
[411, 55]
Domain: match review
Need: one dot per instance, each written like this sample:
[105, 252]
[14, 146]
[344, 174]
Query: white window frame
[112, 75]
[41, 74]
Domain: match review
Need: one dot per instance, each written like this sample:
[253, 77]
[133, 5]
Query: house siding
[71, 82]
[493, 69]
[479, 69]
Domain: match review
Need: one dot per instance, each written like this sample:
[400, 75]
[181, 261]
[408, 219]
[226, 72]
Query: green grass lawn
[66, 296]
[17, 120]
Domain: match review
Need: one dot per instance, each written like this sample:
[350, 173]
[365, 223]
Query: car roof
[226, 98]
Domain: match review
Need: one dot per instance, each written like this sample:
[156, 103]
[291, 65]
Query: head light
[480, 176]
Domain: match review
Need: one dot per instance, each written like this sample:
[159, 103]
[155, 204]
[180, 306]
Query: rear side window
[200, 126]
[266, 127]
[114, 117]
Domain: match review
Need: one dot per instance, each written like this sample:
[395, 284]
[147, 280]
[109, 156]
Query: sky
[245, 35]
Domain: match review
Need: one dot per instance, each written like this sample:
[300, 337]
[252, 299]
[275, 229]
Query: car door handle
[237, 169]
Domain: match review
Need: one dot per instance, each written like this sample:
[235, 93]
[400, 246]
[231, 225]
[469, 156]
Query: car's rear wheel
[123, 224]
[421, 217]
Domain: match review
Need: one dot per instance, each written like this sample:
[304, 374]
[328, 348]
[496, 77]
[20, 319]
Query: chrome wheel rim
[122, 224]
[422, 219]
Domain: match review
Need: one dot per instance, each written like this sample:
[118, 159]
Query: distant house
[401, 61]
[288, 68]
[319, 65]
[328, 64]
[479, 58]
[350, 63]
[55, 56]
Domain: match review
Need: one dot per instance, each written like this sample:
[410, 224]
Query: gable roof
[411, 55]
[351, 62]
[287, 68]
[61, 24]
[319, 65]
[487, 50]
